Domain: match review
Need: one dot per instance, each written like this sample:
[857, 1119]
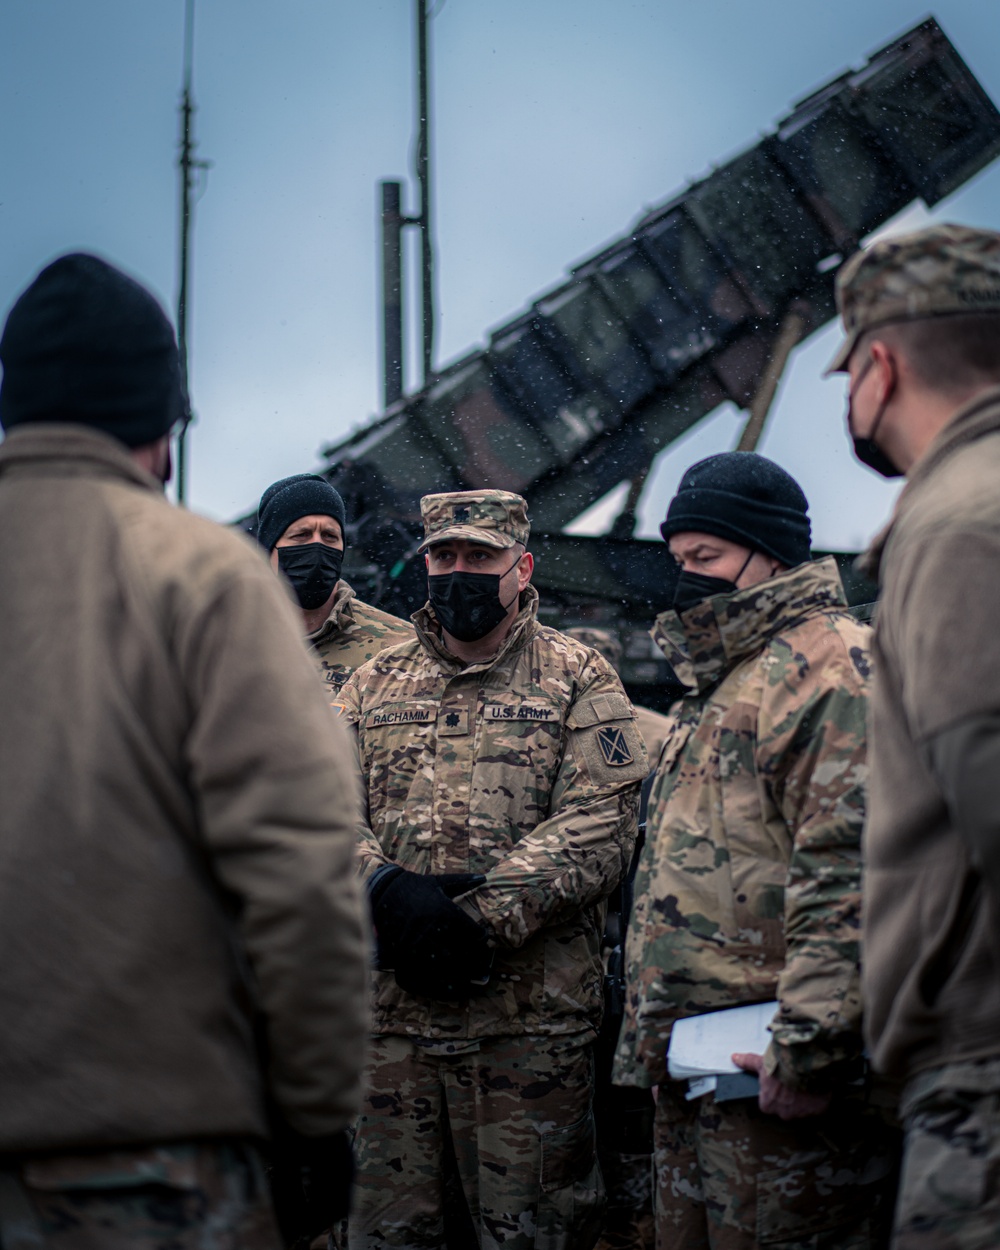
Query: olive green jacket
[176, 823]
[931, 948]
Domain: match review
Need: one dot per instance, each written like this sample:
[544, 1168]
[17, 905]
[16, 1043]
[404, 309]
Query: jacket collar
[705, 642]
[64, 450]
[341, 614]
[979, 417]
[525, 626]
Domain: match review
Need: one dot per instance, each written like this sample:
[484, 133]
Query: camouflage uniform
[207, 1196]
[353, 633]
[748, 890]
[524, 767]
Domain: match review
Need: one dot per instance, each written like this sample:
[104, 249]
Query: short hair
[947, 354]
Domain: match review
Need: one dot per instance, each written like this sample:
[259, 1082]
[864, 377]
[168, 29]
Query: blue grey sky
[556, 124]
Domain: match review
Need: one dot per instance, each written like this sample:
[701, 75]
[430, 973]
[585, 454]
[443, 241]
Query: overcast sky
[556, 124]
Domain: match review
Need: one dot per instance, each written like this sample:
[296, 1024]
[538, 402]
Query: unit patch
[518, 711]
[614, 746]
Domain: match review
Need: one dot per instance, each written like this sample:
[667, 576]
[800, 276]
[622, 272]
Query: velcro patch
[518, 711]
[376, 719]
[338, 708]
[614, 746]
[453, 721]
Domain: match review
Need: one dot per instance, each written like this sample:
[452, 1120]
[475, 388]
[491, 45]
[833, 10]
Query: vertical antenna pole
[392, 294]
[423, 156]
[185, 163]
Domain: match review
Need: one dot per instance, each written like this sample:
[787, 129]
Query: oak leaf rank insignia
[614, 746]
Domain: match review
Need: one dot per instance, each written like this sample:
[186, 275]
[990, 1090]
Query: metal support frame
[793, 327]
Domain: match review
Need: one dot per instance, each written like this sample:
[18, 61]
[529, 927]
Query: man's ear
[886, 358]
[525, 568]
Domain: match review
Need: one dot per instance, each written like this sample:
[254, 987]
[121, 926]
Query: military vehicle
[700, 302]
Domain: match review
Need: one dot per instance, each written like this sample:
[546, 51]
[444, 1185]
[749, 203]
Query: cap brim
[472, 534]
[839, 363]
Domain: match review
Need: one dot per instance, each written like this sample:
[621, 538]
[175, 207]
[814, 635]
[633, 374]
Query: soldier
[302, 526]
[922, 318]
[748, 887]
[503, 767]
[175, 820]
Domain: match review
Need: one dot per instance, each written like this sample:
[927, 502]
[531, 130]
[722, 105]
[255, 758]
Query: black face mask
[468, 605]
[313, 569]
[691, 588]
[865, 449]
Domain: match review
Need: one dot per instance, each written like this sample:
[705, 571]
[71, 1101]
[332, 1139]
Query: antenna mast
[187, 165]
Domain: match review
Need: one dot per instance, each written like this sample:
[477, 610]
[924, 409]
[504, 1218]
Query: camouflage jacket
[748, 887]
[525, 767]
[352, 633]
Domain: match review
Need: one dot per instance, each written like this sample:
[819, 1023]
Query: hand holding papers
[701, 1049]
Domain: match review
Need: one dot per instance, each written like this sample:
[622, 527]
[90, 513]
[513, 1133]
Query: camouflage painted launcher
[580, 392]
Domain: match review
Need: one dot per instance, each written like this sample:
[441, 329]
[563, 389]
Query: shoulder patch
[614, 746]
[598, 709]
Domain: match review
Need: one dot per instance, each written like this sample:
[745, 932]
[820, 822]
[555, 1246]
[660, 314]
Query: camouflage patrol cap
[496, 518]
[935, 272]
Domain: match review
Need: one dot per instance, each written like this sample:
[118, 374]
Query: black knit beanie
[746, 498]
[88, 345]
[304, 494]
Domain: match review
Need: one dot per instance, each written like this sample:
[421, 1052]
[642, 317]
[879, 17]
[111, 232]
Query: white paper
[699, 1086]
[702, 1045]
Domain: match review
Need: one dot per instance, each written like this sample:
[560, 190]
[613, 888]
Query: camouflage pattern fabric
[353, 633]
[496, 518]
[935, 272]
[629, 1222]
[604, 640]
[949, 1196]
[517, 1111]
[653, 726]
[748, 886]
[729, 1177]
[175, 1197]
[526, 768]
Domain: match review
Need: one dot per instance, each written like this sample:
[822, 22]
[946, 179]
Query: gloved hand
[311, 1180]
[432, 946]
[456, 883]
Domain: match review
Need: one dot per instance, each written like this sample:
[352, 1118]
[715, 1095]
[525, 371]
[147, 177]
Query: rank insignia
[614, 746]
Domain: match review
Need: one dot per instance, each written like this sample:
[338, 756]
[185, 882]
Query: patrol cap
[496, 518]
[936, 272]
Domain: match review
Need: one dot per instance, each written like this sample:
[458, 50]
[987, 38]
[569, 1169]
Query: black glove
[432, 946]
[311, 1181]
[456, 883]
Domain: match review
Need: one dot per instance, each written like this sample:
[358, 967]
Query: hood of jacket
[705, 642]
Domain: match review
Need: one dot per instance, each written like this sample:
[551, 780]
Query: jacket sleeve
[578, 854]
[276, 795]
[370, 856]
[812, 756]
